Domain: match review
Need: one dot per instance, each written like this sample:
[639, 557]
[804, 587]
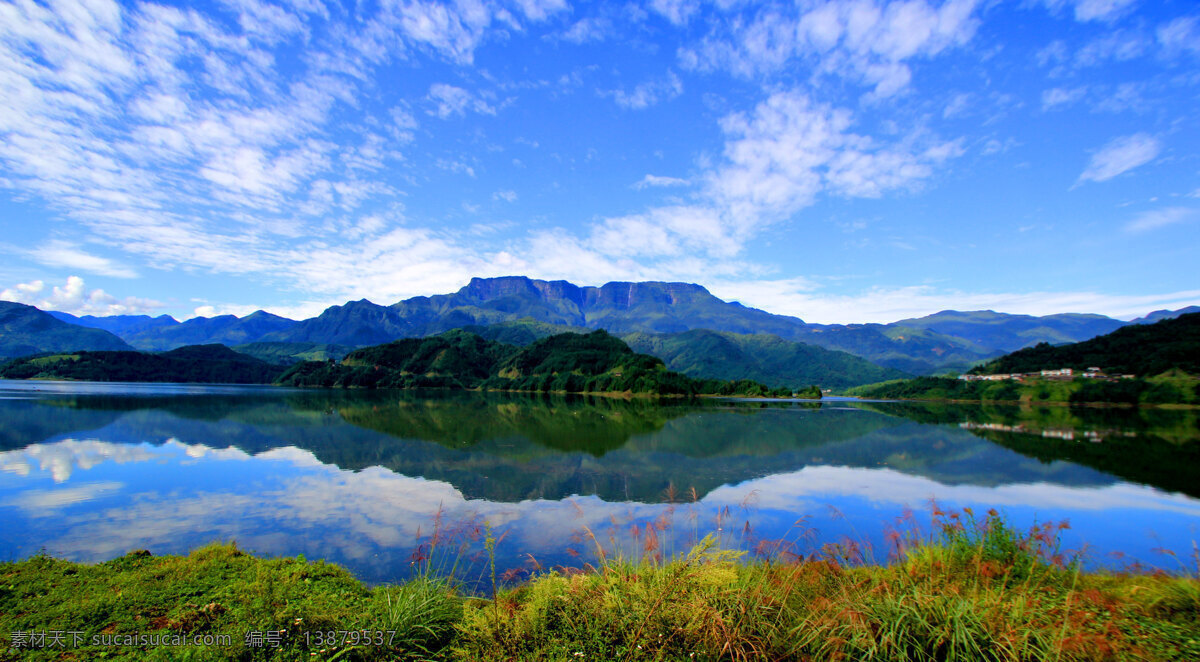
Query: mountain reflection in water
[359, 478]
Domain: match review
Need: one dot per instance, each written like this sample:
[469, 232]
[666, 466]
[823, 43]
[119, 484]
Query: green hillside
[214, 364]
[521, 332]
[1138, 349]
[569, 362]
[287, 353]
[761, 357]
[25, 330]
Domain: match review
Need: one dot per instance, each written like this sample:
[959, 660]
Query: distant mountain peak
[264, 315]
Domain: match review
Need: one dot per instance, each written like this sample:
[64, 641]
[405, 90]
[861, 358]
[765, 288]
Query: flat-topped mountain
[617, 307]
[622, 308]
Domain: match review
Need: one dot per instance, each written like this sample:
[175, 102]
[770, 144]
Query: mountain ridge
[26, 330]
[946, 341]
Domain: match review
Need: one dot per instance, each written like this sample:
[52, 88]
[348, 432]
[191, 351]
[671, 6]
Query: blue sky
[842, 161]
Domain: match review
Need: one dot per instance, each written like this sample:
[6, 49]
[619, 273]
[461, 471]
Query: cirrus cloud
[1121, 155]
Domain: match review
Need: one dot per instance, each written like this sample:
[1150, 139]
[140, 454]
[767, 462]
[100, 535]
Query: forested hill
[1138, 349]
[706, 354]
[762, 357]
[575, 363]
[211, 364]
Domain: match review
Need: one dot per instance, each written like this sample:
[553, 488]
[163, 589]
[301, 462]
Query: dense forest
[595, 362]
[213, 364]
[1139, 349]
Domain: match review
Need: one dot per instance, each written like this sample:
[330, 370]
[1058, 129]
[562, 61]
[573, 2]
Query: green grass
[975, 590]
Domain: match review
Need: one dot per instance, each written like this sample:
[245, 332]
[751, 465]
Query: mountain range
[652, 316]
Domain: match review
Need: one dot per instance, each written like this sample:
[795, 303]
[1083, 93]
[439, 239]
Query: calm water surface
[91, 471]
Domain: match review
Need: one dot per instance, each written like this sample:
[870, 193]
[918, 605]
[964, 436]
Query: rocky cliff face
[627, 296]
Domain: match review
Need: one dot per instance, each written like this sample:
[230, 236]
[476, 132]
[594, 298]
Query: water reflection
[360, 478]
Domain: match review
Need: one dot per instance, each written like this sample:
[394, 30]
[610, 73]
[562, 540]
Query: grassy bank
[975, 591]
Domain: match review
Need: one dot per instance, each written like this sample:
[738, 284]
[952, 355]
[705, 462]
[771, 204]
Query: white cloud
[1119, 46]
[778, 159]
[784, 491]
[1092, 10]
[656, 181]
[540, 10]
[74, 297]
[378, 514]
[648, 93]
[1101, 10]
[957, 106]
[506, 195]
[454, 31]
[790, 149]
[1057, 97]
[1159, 218]
[58, 253]
[1180, 35]
[678, 12]
[1121, 155]
[453, 100]
[588, 29]
[804, 299]
[868, 42]
[199, 170]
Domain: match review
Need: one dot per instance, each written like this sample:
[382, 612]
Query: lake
[375, 480]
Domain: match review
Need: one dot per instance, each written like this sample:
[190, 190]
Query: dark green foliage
[569, 362]
[1127, 391]
[522, 332]
[1173, 387]
[810, 393]
[25, 330]
[289, 353]
[1139, 349]
[213, 364]
[591, 354]
[925, 387]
